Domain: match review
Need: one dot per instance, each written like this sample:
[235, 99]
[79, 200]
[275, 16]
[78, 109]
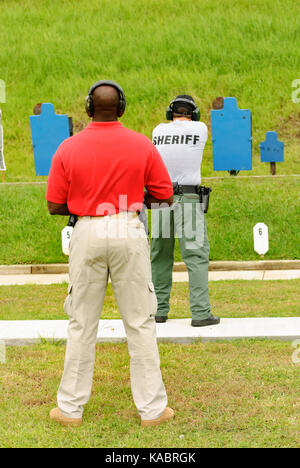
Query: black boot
[161, 318]
[211, 320]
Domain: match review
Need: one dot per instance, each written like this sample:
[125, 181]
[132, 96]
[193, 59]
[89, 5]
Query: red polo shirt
[104, 169]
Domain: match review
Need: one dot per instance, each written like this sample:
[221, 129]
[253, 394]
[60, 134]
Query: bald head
[106, 102]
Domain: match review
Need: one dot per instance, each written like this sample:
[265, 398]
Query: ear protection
[195, 113]
[89, 104]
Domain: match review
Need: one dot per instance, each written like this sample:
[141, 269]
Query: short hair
[186, 105]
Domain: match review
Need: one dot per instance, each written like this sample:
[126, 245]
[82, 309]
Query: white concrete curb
[26, 332]
[13, 280]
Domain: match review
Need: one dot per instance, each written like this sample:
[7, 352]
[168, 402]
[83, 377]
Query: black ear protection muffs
[89, 104]
[195, 113]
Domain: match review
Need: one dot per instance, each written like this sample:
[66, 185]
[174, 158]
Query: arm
[57, 187]
[58, 209]
[158, 185]
[154, 203]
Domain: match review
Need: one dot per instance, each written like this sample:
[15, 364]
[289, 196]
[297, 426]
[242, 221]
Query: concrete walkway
[178, 276]
[218, 270]
[25, 332]
[17, 333]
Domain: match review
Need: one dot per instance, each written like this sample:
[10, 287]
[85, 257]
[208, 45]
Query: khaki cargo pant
[114, 246]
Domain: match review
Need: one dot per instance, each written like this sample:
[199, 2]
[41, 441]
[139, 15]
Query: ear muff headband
[89, 104]
[195, 114]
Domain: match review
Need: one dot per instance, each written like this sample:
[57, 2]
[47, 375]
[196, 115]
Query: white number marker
[66, 235]
[261, 238]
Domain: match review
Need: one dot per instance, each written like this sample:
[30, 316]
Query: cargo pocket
[153, 300]
[68, 301]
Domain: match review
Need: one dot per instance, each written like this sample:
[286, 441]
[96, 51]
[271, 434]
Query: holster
[72, 220]
[203, 192]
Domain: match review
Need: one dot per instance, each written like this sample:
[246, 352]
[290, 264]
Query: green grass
[155, 49]
[228, 299]
[239, 394]
[30, 235]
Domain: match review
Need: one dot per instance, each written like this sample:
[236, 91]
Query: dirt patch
[290, 126]
[34, 402]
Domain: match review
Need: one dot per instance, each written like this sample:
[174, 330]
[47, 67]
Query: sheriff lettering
[176, 139]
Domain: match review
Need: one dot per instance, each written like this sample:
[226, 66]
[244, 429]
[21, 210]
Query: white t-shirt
[181, 144]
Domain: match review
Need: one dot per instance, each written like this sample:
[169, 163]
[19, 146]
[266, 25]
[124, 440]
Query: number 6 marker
[261, 238]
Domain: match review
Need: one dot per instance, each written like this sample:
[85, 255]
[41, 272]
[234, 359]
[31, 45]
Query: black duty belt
[203, 192]
[181, 189]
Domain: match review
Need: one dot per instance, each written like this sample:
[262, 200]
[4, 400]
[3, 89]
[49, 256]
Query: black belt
[181, 189]
[203, 192]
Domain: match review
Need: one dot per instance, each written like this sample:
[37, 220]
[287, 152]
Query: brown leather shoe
[56, 415]
[166, 416]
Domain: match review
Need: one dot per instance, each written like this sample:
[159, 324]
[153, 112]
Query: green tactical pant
[185, 220]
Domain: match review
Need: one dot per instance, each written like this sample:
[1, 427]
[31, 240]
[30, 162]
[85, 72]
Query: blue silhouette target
[48, 131]
[271, 150]
[231, 137]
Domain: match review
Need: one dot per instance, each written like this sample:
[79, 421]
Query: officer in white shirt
[181, 143]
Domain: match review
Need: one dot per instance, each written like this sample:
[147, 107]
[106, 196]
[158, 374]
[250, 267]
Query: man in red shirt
[100, 175]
